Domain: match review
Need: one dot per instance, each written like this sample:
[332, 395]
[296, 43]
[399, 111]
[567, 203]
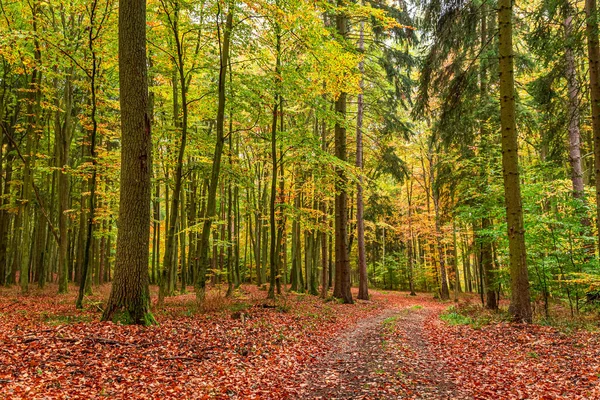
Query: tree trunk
[93, 138]
[593, 47]
[409, 249]
[211, 206]
[573, 112]
[520, 306]
[274, 256]
[363, 282]
[63, 138]
[129, 300]
[342, 263]
[169, 262]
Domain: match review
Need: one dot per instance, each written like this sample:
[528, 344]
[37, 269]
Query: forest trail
[385, 356]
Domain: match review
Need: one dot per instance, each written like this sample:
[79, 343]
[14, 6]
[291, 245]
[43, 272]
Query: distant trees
[253, 177]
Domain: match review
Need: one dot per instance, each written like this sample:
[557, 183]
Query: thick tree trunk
[594, 68]
[129, 300]
[573, 112]
[520, 306]
[342, 263]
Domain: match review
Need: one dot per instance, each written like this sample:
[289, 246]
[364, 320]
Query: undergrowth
[473, 315]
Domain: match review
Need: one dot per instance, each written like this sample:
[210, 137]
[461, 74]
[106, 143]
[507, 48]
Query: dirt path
[382, 357]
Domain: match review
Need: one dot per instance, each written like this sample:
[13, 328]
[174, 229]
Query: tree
[520, 306]
[216, 166]
[342, 263]
[363, 283]
[129, 299]
[593, 45]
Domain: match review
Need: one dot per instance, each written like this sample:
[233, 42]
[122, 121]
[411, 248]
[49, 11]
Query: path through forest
[296, 347]
[385, 356]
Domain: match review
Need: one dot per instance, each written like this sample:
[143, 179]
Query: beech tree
[129, 300]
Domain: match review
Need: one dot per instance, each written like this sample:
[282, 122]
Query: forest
[325, 199]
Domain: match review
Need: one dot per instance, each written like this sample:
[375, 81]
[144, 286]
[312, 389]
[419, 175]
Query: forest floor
[299, 347]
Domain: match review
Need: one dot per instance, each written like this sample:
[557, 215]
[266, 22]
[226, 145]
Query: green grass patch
[454, 318]
[239, 306]
[473, 315]
[55, 320]
[390, 322]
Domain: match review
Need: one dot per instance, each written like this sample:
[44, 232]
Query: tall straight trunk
[489, 279]
[593, 47]
[102, 255]
[409, 247]
[211, 206]
[174, 221]
[17, 251]
[237, 224]
[342, 262]
[487, 264]
[466, 257]
[520, 305]
[457, 287]
[273, 255]
[444, 290]
[258, 241]
[297, 283]
[314, 280]
[236, 238]
[280, 248]
[573, 110]
[229, 213]
[63, 140]
[40, 250]
[81, 235]
[363, 282]
[129, 299]
[308, 259]
[182, 243]
[33, 115]
[92, 32]
[325, 234]
[155, 234]
[109, 246]
[5, 218]
[192, 236]
[324, 257]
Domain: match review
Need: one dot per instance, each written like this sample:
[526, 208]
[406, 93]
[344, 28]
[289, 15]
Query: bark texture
[129, 300]
[520, 305]
[363, 283]
[594, 68]
[342, 262]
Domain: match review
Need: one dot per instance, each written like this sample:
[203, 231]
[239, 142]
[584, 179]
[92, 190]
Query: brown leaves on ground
[299, 347]
[48, 350]
[515, 361]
